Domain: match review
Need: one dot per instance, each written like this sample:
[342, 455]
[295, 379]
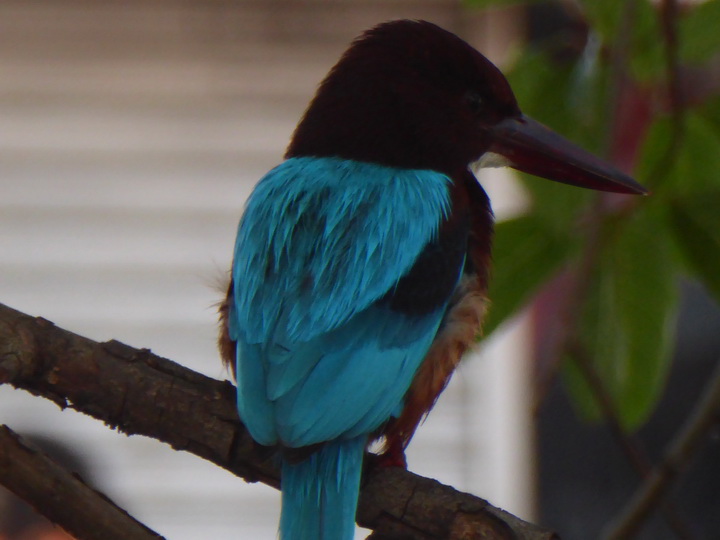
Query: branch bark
[137, 392]
[44, 484]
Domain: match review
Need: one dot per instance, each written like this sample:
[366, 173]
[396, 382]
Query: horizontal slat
[178, 79]
[121, 237]
[41, 181]
[159, 26]
[103, 129]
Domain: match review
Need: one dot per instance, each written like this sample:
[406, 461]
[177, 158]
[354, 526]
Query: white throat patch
[489, 160]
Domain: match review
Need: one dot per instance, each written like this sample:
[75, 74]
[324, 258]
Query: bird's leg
[393, 456]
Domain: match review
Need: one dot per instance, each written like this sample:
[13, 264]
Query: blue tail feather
[319, 494]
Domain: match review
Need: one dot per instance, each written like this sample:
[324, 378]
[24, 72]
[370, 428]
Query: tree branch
[47, 486]
[138, 392]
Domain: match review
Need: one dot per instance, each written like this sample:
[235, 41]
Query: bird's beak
[528, 146]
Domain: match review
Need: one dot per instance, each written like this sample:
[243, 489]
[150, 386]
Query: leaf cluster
[626, 254]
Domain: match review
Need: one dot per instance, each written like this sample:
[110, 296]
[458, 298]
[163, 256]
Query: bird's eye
[475, 101]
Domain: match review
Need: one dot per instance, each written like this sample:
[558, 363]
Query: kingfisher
[361, 262]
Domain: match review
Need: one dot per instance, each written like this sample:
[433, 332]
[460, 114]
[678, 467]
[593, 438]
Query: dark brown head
[410, 94]
[406, 94]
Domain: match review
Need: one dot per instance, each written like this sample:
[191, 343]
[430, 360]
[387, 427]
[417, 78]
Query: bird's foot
[394, 456]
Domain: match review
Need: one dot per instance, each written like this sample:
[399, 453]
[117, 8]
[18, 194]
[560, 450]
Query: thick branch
[138, 392]
[37, 479]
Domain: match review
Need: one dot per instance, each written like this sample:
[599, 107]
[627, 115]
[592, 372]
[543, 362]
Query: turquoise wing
[321, 246]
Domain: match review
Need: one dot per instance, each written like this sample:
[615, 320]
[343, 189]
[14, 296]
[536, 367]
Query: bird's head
[410, 94]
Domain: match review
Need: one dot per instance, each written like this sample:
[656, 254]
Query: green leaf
[696, 220]
[710, 111]
[632, 29]
[525, 255]
[699, 38]
[690, 166]
[628, 321]
[556, 205]
[647, 56]
[569, 97]
[604, 17]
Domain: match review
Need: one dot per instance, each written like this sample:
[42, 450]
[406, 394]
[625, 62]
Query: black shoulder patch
[432, 279]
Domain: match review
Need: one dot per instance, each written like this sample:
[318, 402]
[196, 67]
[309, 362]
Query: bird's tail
[320, 494]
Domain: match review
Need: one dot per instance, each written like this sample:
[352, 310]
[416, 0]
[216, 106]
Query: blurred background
[130, 135]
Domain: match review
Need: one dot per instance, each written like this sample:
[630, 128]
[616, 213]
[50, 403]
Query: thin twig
[704, 416]
[597, 237]
[668, 24]
[633, 450]
[599, 222]
[674, 91]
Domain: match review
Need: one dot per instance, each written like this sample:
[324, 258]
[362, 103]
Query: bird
[361, 262]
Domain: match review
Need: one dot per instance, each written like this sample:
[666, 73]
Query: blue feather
[334, 235]
[319, 495]
[360, 373]
[321, 356]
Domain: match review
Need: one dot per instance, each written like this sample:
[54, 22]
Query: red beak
[530, 147]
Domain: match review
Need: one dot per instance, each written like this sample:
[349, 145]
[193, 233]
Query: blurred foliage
[634, 248]
[699, 38]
